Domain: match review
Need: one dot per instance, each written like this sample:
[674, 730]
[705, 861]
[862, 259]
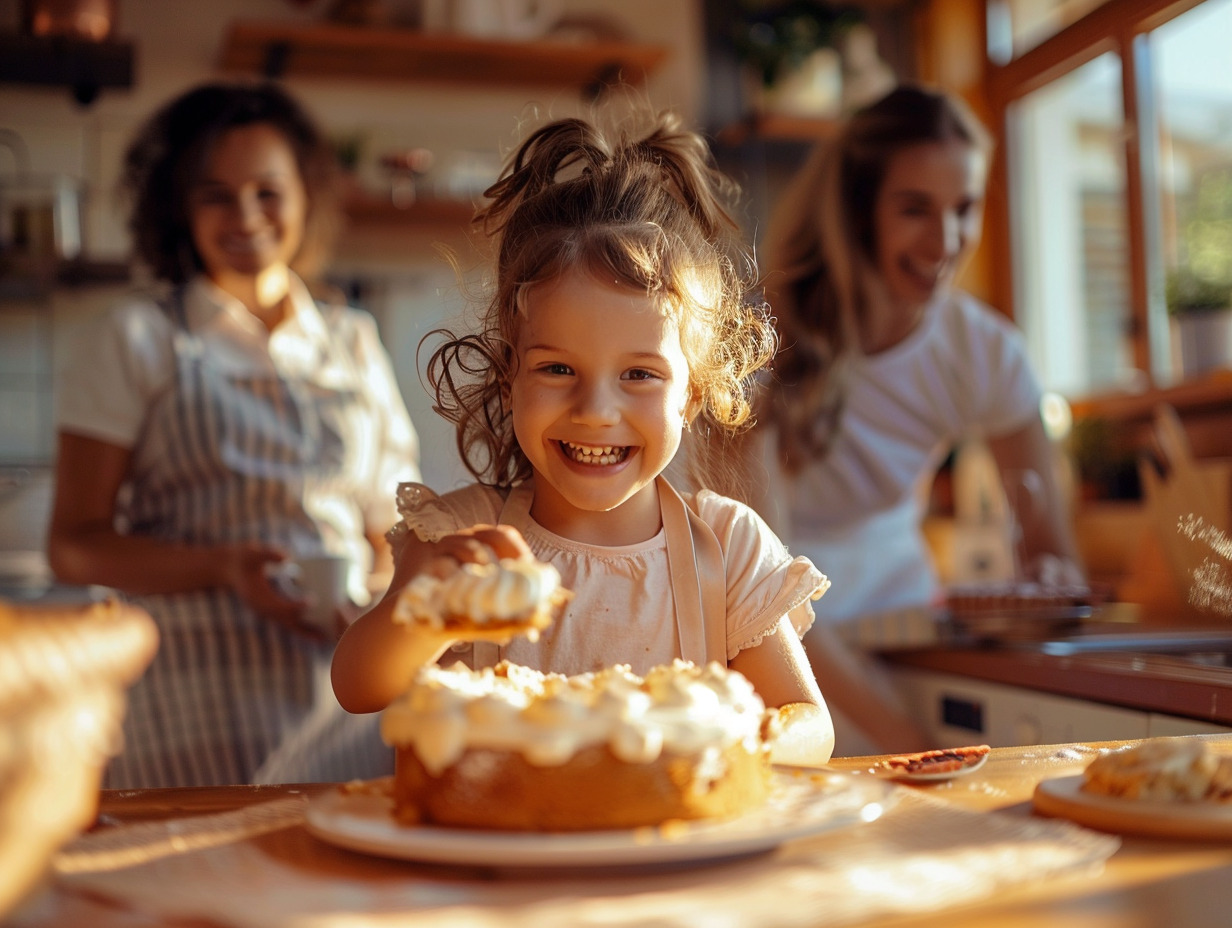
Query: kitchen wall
[396, 272]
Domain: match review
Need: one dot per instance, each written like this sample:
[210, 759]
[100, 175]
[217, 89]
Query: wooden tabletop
[1147, 882]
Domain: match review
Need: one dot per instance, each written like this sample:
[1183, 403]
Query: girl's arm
[377, 656]
[1028, 462]
[83, 546]
[779, 671]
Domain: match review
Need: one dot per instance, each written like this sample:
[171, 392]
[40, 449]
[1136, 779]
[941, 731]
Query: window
[1017, 26]
[1118, 133]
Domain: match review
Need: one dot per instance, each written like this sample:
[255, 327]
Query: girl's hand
[479, 544]
[805, 737]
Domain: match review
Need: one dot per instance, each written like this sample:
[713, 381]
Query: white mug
[321, 580]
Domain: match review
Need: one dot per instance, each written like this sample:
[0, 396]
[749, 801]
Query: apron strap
[699, 584]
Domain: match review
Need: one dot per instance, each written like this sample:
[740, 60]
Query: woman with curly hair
[216, 428]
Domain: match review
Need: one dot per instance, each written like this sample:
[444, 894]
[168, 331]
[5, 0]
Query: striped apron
[230, 697]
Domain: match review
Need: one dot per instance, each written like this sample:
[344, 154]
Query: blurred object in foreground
[64, 672]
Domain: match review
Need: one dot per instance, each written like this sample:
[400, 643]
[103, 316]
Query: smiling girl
[618, 322]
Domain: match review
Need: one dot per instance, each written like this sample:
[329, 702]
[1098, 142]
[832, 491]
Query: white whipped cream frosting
[678, 708]
[505, 591]
[1164, 769]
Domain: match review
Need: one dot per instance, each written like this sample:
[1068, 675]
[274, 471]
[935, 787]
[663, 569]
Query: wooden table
[1147, 882]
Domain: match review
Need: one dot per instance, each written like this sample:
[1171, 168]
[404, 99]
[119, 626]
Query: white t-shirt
[622, 609]
[856, 513]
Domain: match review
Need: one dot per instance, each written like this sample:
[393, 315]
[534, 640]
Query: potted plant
[1201, 312]
[789, 49]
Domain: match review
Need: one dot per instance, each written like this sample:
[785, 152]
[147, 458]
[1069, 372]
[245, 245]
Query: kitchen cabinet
[1026, 695]
[956, 709]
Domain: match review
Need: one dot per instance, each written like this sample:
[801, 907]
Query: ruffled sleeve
[764, 582]
[430, 517]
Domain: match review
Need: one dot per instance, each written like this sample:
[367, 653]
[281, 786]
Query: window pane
[1193, 87]
[1071, 286]
[1017, 26]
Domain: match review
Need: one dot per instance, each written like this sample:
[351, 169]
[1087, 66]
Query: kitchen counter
[1133, 882]
[1196, 685]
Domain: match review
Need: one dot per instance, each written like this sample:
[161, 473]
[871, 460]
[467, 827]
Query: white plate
[800, 805]
[1063, 797]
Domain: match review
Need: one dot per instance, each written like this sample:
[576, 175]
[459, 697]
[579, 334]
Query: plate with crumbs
[801, 804]
[1064, 797]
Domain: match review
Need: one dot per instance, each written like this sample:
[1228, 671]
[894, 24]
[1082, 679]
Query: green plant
[349, 149]
[775, 37]
[1106, 462]
[1186, 292]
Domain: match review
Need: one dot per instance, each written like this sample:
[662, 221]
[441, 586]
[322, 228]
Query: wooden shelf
[777, 128]
[363, 207]
[1212, 391]
[63, 61]
[326, 50]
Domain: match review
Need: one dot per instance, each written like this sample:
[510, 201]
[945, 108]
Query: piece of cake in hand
[494, 600]
[510, 748]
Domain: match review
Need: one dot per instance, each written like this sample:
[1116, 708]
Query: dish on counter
[800, 805]
[1063, 797]
[1020, 611]
[933, 766]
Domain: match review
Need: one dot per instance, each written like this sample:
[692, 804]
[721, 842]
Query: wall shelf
[362, 207]
[772, 127]
[82, 65]
[328, 50]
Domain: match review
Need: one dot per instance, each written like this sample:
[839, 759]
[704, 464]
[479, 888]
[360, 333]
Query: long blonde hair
[819, 251]
[647, 209]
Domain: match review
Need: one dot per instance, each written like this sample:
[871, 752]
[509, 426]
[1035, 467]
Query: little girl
[618, 323]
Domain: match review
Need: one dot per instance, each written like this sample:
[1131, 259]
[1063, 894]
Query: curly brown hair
[168, 153]
[646, 208]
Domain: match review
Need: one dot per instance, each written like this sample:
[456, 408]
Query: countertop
[1174, 684]
[1137, 882]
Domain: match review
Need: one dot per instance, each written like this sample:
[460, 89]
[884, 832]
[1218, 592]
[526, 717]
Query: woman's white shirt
[856, 513]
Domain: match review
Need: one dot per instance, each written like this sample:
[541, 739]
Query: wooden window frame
[1119, 26]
